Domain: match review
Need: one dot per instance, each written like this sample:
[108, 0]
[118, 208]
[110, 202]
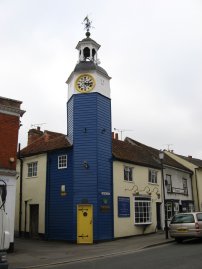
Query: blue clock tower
[89, 130]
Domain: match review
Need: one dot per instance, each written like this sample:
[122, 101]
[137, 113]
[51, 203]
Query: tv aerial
[121, 131]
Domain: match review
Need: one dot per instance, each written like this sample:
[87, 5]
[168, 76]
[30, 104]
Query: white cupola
[88, 49]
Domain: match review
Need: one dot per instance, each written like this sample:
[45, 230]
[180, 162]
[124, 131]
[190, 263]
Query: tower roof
[87, 41]
[85, 66]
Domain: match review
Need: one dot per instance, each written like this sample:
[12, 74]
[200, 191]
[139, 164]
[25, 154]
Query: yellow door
[84, 224]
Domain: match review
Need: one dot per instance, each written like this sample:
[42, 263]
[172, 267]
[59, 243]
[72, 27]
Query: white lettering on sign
[105, 193]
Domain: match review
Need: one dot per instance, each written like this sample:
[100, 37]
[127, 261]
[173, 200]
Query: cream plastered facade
[196, 179]
[125, 226]
[33, 191]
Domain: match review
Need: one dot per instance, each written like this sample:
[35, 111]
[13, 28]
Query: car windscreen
[199, 216]
[188, 218]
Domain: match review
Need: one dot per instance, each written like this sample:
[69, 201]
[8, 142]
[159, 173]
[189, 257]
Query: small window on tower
[62, 161]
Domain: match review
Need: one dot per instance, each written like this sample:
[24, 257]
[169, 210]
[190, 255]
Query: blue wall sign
[123, 207]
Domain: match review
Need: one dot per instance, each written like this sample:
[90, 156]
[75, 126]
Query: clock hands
[85, 83]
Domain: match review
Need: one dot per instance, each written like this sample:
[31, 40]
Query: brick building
[10, 114]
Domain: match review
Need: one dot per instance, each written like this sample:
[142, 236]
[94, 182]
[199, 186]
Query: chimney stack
[115, 136]
[33, 135]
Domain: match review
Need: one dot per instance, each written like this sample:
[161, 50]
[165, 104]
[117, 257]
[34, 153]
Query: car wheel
[178, 239]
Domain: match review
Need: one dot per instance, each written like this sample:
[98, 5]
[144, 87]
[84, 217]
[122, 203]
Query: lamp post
[161, 157]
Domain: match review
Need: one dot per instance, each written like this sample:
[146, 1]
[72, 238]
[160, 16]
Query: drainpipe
[197, 188]
[25, 227]
[20, 195]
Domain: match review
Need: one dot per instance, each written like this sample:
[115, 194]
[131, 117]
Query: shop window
[169, 210]
[176, 208]
[191, 207]
[143, 212]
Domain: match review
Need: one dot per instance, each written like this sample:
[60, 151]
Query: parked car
[186, 225]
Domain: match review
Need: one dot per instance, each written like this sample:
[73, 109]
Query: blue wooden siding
[89, 128]
[70, 120]
[59, 208]
[92, 143]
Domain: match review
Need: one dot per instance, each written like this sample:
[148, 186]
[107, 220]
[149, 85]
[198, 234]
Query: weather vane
[87, 25]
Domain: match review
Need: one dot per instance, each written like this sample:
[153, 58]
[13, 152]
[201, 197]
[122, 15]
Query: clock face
[85, 83]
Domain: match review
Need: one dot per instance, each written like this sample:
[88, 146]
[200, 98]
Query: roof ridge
[51, 132]
[153, 151]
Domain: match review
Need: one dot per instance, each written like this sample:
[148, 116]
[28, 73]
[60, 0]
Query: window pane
[152, 176]
[142, 210]
[32, 169]
[62, 161]
[128, 173]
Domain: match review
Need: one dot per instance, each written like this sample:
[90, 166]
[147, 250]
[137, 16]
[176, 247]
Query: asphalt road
[176, 256]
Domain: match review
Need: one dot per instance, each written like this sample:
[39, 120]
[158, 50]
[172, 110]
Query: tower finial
[87, 25]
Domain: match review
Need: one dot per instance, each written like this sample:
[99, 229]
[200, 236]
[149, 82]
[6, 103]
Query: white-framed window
[32, 169]
[152, 176]
[128, 173]
[62, 161]
[143, 212]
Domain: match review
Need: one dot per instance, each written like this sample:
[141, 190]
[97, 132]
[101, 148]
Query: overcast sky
[152, 49]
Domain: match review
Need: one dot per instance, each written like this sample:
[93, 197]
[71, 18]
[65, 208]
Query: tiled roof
[194, 161]
[129, 150]
[47, 142]
[125, 151]
[168, 161]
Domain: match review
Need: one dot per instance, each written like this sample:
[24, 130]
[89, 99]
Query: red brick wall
[8, 140]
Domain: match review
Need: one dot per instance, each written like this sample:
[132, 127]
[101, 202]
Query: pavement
[30, 253]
